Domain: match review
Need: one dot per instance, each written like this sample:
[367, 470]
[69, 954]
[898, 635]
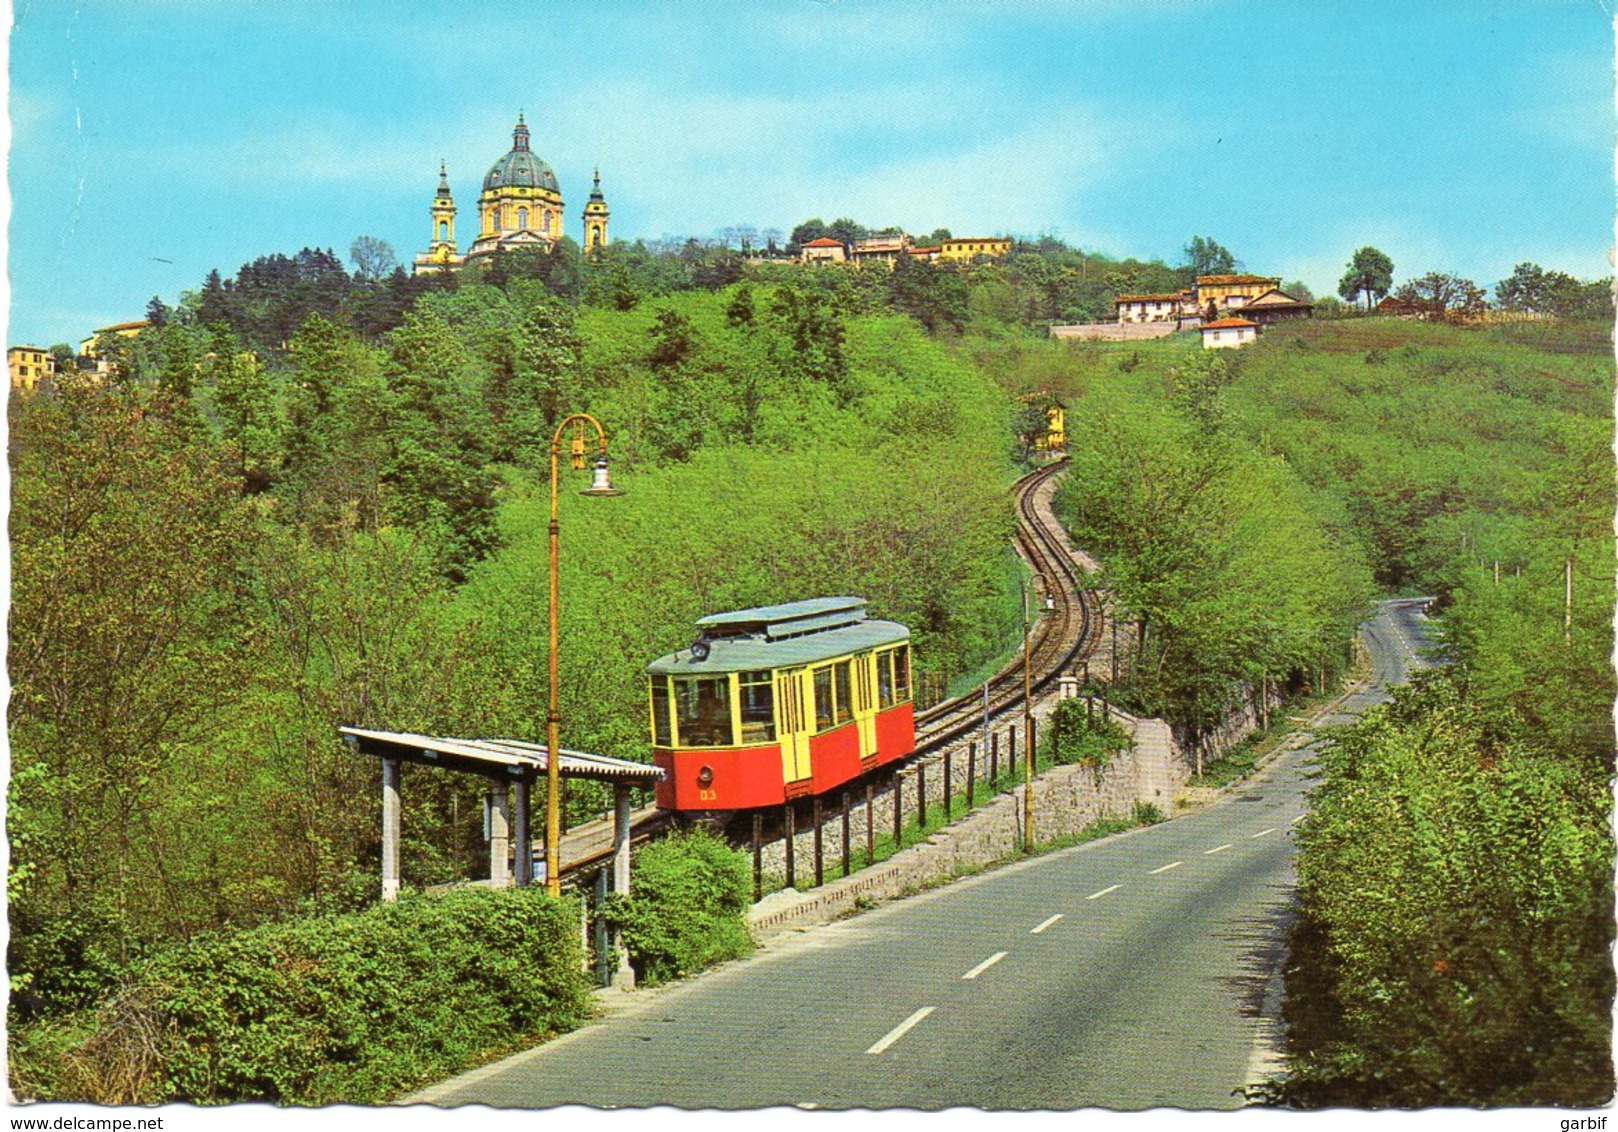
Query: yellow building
[968, 248]
[29, 365]
[1221, 294]
[520, 207]
[87, 348]
[107, 366]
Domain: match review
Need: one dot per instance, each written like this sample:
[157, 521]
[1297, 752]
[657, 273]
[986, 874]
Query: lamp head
[600, 481]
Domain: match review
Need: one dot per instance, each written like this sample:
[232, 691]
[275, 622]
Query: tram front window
[661, 735]
[758, 706]
[702, 711]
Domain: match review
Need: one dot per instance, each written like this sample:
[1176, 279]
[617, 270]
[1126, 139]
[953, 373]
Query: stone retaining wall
[1066, 800]
[1119, 331]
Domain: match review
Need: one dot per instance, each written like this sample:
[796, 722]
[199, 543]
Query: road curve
[1127, 973]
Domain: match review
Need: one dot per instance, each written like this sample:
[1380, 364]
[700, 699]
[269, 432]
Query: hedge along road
[1126, 973]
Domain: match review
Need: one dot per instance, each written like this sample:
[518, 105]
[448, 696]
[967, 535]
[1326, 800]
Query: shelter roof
[824, 242]
[513, 757]
[1227, 324]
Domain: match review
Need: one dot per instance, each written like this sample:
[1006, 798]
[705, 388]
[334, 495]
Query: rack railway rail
[1062, 635]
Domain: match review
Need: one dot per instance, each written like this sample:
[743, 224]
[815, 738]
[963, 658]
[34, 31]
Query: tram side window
[702, 707]
[758, 706]
[823, 713]
[844, 706]
[901, 672]
[884, 679]
[662, 736]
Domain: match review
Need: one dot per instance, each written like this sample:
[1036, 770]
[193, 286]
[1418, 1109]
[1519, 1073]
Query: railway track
[1063, 634]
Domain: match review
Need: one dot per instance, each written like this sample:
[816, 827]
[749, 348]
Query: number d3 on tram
[779, 702]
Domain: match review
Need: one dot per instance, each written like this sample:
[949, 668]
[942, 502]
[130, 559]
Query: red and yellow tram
[779, 702]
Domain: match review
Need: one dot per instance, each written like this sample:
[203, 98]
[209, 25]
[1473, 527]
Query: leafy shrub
[1454, 940]
[62, 963]
[1147, 813]
[1073, 736]
[351, 1008]
[686, 909]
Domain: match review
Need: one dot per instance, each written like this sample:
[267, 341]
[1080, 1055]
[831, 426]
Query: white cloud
[909, 154]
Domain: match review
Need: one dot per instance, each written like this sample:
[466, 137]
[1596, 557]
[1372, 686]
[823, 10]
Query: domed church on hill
[520, 207]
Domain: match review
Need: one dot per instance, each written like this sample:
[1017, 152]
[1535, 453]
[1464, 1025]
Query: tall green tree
[1440, 295]
[373, 258]
[129, 637]
[1206, 256]
[1369, 277]
[245, 401]
[437, 468]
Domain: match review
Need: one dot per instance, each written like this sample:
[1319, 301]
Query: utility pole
[1567, 601]
[1028, 732]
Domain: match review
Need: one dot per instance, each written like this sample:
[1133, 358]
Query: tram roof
[749, 653]
[788, 619]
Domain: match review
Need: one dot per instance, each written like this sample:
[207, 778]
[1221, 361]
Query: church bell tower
[595, 218]
[441, 254]
[443, 214]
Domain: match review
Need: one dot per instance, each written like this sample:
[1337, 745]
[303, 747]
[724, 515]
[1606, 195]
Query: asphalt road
[1127, 973]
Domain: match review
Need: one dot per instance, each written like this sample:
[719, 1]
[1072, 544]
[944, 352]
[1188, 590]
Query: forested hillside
[308, 499]
[1453, 945]
[212, 574]
[1455, 916]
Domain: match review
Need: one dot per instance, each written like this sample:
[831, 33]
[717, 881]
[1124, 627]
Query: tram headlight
[705, 777]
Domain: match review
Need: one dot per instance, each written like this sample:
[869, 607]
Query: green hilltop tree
[1206, 256]
[1369, 276]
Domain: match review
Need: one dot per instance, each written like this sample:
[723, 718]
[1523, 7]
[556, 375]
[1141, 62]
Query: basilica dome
[520, 168]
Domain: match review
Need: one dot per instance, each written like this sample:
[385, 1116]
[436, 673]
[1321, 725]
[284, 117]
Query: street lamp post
[599, 485]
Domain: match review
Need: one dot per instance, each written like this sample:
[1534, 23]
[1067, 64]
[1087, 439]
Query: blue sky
[154, 140]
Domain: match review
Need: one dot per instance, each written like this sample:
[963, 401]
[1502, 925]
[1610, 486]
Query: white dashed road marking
[1216, 849]
[1166, 868]
[1103, 892]
[900, 1030]
[1264, 832]
[1046, 924]
[985, 965]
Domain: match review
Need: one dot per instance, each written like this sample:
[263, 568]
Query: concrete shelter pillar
[624, 979]
[620, 837]
[391, 809]
[524, 855]
[499, 833]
